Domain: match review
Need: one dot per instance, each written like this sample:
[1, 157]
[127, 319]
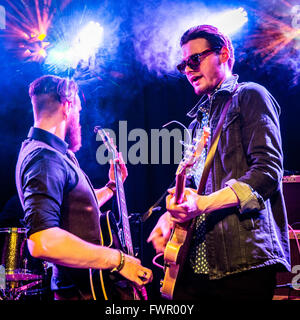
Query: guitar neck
[179, 188]
[181, 171]
[122, 207]
[125, 223]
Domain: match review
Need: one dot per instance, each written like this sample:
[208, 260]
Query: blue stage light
[158, 32]
[87, 41]
[82, 47]
[229, 21]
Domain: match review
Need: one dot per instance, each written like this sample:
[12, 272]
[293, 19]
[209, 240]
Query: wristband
[112, 186]
[121, 264]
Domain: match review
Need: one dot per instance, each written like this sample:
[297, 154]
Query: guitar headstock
[107, 140]
[194, 153]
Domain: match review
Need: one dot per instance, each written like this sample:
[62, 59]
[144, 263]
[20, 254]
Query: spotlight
[88, 40]
[229, 21]
[83, 46]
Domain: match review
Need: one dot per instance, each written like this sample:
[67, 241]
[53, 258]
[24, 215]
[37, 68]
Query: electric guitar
[115, 234]
[176, 249]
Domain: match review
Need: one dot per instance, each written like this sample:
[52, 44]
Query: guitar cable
[155, 206]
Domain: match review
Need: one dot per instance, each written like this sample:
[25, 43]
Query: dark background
[125, 88]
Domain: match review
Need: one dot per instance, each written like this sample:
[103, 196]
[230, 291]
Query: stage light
[42, 53]
[158, 32]
[27, 53]
[27, 26]
[84, 46]
[42, 36]
[229, 21]
[88, 40]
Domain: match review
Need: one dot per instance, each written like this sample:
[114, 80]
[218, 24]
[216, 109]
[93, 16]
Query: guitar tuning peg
[97, 128]
[189, 153]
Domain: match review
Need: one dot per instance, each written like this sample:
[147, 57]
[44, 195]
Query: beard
[73, 134]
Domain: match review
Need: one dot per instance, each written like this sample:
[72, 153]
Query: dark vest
[79, 213]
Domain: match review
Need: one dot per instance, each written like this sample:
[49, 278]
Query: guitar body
[106, 285]
[175, 256]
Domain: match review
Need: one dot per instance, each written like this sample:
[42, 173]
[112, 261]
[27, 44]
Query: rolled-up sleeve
[43, 185]
[249, 199]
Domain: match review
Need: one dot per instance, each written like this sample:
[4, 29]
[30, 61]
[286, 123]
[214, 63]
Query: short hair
[213, 36]
[60, 89]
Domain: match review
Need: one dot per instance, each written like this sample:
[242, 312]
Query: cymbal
[22, 276]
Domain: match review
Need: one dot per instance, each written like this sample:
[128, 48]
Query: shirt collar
[227, 86]
[51, 139]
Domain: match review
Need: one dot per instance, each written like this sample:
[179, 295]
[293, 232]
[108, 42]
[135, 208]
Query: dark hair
[213, 36]
[60, 89]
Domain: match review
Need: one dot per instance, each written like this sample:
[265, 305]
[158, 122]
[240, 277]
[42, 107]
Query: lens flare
[27, 25]
[229, 21]
[82, 47]
[277, 38]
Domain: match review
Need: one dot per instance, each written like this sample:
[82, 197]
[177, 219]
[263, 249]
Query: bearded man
[60, 204]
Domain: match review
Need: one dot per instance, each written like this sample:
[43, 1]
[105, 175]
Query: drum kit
[21, 276]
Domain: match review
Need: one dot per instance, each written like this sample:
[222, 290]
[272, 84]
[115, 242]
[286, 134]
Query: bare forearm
[103, 195]
[220, 199]
[59, 246]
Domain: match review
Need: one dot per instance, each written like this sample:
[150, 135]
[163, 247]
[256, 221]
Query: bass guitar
[115, 234]
[176, 249]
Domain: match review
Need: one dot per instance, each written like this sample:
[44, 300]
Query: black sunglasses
[194, 60]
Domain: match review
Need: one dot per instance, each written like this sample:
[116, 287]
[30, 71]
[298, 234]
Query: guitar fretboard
[123, 210]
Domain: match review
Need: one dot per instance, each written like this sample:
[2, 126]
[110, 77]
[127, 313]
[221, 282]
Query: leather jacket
[248, 159]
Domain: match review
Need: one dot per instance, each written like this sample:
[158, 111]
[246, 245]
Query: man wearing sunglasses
[240, 236]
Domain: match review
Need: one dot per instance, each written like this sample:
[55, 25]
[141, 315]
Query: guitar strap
[208, 161]
[214, 144]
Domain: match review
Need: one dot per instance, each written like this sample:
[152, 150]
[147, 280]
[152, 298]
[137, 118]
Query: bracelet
[121, 264]
[112, 186]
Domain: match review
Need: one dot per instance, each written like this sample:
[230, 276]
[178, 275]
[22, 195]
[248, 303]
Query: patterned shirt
[198, 259]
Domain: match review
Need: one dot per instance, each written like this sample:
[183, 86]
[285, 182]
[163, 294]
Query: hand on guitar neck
[177, 213]
[105, 193]
[194, 204]
[187, 209]
[123, 169]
